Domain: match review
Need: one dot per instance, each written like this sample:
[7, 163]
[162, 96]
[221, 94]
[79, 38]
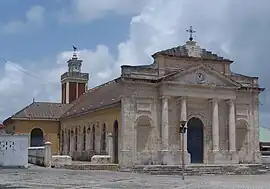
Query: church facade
[144, 106]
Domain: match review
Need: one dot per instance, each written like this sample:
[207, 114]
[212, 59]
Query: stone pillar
[47, 154]
[256, 130]
[184, 117]
[110, 147]
[72, 141]
[217, 157]
[215, 126]
[165, 122]
[232, 126]
[77, 90]
[65, 143]
[128, 133]
[67, 92]
[232, 146]
[88, 139]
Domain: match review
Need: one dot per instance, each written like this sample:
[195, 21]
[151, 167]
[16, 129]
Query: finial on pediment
[191, 31]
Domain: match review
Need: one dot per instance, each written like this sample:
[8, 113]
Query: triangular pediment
[201, 75]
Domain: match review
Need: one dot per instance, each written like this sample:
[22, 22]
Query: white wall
[14, 150]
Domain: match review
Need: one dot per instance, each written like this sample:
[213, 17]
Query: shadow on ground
[10, 186]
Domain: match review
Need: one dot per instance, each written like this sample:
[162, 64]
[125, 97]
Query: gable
[202, 75]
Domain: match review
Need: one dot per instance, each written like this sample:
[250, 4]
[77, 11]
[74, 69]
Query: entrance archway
[115, 141]
[36, 137]
[195, 140]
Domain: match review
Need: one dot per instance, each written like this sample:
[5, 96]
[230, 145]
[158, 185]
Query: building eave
[34, 119]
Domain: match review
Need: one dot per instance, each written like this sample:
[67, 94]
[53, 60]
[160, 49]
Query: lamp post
[183, 129]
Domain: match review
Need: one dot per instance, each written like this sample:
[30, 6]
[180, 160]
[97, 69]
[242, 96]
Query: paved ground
[36, 177]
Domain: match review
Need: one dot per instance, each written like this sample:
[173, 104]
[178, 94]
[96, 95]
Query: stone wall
[41, 155]
[36, 155]
[13, 150]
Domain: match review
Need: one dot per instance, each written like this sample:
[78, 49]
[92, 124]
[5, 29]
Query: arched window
[84, 139]
[103, 139]
[36, 137]
[93, 137]
[76, 139]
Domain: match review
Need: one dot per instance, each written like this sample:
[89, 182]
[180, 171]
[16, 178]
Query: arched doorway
[115, 141]
[195, 140]
[36, 137]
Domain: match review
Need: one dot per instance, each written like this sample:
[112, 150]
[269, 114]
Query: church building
[143, 108]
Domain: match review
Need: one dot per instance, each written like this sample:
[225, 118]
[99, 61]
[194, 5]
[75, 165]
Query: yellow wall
[50, 130]
[107, 116]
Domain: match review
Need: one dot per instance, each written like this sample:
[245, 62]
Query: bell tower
[74, 83]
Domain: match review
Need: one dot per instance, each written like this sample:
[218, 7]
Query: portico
[213, 120]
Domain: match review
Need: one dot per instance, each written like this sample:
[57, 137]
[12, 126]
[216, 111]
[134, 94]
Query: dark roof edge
[35, 119]
[192, 58]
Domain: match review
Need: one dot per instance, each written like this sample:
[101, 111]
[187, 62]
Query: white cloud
[85, 10]
[33, 18]
[221, 27]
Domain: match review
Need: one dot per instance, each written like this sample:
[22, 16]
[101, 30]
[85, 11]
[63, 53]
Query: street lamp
[183, 129]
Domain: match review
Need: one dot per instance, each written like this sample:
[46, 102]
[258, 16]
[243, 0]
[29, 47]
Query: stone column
[256, 130]
[77, 90]
[48, 154]
[67, 92]
[232, 148]
[231, 126]
[65, 142]
[127, 133]
[215, 126]
[88, 139]
[184, 118]
[72, 141]
[165, 122]
[110, 147]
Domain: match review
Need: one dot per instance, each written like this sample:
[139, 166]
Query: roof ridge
[102, 85]
[48, 102]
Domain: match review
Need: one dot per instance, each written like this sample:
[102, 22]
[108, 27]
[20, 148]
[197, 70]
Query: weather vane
[190, 31]
[74, 51]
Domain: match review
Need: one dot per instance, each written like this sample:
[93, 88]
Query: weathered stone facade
[178, 87]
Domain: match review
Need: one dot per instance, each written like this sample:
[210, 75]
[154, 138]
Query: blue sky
[47, 40]
[37, 37]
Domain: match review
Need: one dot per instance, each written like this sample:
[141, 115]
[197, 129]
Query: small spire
[33, 99]
[74, 53]
[190, 31]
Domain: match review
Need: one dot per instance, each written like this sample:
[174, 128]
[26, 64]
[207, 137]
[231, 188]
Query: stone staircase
[196, 170]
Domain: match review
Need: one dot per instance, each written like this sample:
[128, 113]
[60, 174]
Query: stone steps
[252, 169]
[108, 167]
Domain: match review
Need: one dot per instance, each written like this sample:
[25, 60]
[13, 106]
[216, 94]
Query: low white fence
[13, 150]
[41, 155]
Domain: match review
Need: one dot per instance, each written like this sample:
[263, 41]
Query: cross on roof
[191, 31]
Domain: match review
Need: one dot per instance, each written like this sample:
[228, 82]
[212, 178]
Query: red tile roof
[105, 95]
[42, 110]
